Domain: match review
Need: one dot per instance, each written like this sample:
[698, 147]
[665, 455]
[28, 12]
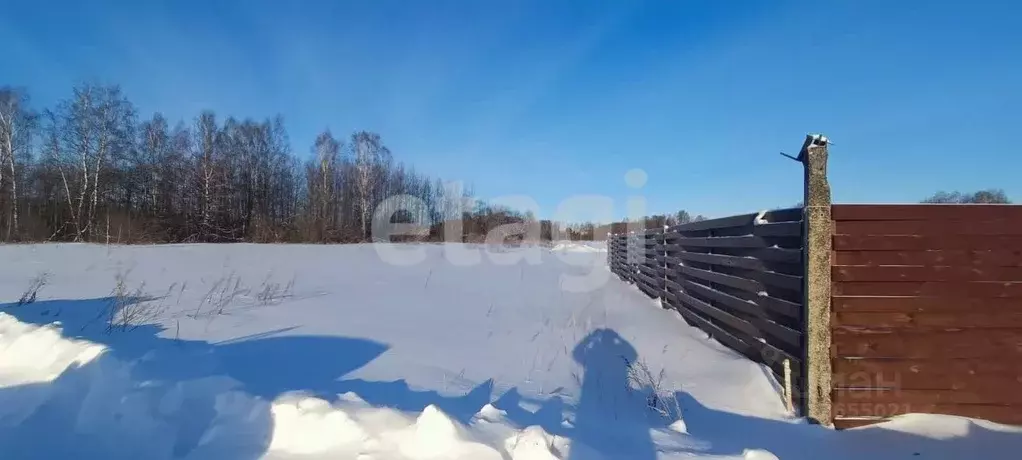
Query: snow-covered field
[389, 352]
[579, 246]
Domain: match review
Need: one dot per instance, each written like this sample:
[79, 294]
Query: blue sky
[554, 99]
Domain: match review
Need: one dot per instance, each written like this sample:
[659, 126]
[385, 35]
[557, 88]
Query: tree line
[990, 196]
[599, 232]
[90, 169]
[588, 230]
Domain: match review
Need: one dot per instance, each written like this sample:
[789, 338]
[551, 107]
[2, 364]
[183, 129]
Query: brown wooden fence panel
[926, 312]
[738, 278]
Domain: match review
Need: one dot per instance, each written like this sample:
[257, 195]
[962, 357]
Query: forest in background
[91, 170]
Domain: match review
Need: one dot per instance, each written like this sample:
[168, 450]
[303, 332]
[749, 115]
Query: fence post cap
[818, 138]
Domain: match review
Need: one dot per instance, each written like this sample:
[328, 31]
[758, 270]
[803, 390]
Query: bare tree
[370, 155]
[16, 126]
[88, 133]
[323, 178]
[207, 143]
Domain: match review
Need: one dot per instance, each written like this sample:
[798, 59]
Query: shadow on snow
[610, 420]
[267, 365]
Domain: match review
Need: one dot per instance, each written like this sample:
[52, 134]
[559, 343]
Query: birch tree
[324, 181]
[369, 155]
[16, 126]
[207, 171]
[87, 132]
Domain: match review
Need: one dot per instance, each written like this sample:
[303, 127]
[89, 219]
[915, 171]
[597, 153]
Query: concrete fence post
[816, 255]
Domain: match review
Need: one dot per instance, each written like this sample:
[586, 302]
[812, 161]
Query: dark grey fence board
[779, 229]
[747, 241]
[749, 285]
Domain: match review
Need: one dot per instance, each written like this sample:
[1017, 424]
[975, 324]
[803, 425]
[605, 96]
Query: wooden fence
[927, 311]
[863, 312]
[738, 278]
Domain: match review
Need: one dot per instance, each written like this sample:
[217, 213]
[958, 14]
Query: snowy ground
[579, 246]
[389, 352]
